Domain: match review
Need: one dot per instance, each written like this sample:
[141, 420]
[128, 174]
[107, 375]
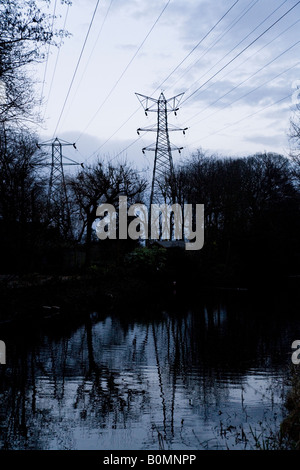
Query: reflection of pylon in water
[57, 203]
[163, 181]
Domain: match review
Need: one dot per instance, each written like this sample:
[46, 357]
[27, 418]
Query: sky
[237, 64]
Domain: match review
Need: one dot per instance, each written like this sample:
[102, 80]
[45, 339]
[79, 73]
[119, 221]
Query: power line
[125, 70]
[91, 54]
[199, 43]
[240, 42]
[107, 140]
[255, 40]
[57, 57]
[77, 65]
[241, 52]
[243, 82]
[240, 65]
[128, 147]
[194, 48]
[245, 117]
[251, 91]
[230, 27]
[48, 52]
[225, 56]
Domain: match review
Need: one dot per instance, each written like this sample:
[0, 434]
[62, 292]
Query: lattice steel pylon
[57, 202]
[163, 180]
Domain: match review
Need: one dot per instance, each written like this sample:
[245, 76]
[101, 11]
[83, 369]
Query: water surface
[211, 377]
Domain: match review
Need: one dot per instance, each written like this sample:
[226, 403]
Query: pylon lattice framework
[163, 168]
[57, 203]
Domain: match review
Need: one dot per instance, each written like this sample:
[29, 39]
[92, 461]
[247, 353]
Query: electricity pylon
[163, 168]
[57, 202]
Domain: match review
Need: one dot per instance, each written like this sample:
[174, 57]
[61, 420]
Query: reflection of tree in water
[102, 396]
[36, 392]
[200, 355]
[108, 376]
[178, 359]
[17, 406]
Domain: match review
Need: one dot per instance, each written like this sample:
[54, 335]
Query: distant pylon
[163, 168]
[57, 202]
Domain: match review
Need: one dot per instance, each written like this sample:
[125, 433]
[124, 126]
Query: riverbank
[209, 377]
[36, 296]
[290, 427]
[64, 303]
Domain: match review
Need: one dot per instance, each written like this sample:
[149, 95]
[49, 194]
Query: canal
[211, 376]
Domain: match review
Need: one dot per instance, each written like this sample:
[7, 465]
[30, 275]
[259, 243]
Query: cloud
[271, 142]
[127, 47]
[247, 86]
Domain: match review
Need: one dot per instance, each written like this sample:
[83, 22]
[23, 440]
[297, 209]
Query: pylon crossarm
[150, 148]
[146, 129]
[55, 142]
[70, 159]
[155, 129]
[161, 150]
[172, 128]
[148, 103]
[173, 103]
[71, 164]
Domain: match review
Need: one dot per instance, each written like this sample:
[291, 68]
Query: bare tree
[20, 185]
[98, 184]
[294, 136]
[22, 195]
[25, 31]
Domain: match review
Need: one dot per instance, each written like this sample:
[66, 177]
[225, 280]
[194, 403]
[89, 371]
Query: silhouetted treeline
[251, 215]
[23, 215]
[32, 233]
[251, 204]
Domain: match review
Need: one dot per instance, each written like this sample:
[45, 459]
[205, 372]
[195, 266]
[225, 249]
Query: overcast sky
[237, 96]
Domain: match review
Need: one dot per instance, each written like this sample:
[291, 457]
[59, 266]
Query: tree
[251, 211]
[99, 184]
[22, 195]
[294, 136]
[25, 31]
[20, 186]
